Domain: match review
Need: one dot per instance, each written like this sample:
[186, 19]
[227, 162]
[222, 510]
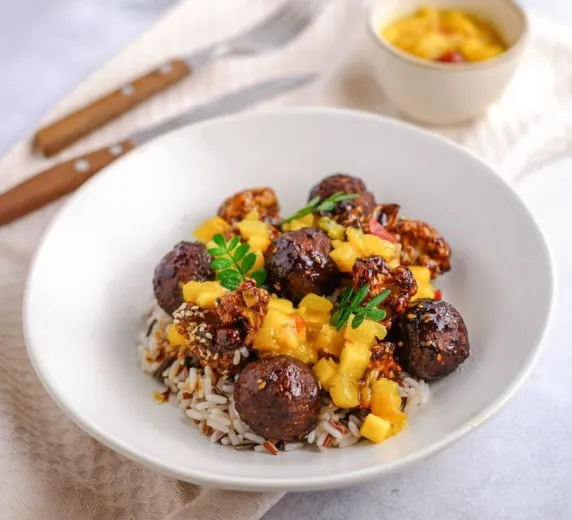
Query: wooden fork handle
[51, 184]
[56, 136]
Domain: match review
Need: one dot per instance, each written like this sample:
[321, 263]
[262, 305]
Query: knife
[51, 184]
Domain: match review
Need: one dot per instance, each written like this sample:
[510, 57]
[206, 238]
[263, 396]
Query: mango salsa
[361, 245]
[343, 391]
[316, 313]
[325, 370]
[375, 428]
[253, 228]
[300, 223]
[445, 35]
[209, 228]
[386, 401]
[329, 341]
[354, 360]
[422, 276]
[334, 230]
[204, 294]
[366, 333]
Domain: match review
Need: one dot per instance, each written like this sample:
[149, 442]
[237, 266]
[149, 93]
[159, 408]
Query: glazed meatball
[380, 276]
[185, 262]
[348, 212]
[263, 200]
[278, 398]
[434, 339]
[299, 263]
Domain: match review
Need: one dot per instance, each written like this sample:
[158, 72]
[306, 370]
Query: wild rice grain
[254, 438]
[331, 430]
[216, 436]
[194, 414]
[218, 399]
[222, 420]
[216, 425]
[202, 405]
[225, 441]
[237, 423]
[311, 437]
[233, 437]
[353, 428]
[293, 446]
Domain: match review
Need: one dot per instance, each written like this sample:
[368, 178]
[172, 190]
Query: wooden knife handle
[51, 184]
[55, 137]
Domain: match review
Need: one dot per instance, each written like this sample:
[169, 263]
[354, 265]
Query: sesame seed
[208, 335]
[410, 317]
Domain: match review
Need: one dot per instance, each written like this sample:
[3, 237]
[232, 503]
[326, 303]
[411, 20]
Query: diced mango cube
[316, 303]
[300, 223]
[324, 372]
[375, 246]
[344, 392]
[253, 228]
[252, 215]
[209, 228]
[344, 255]
[422, 276]
[175, 337]
[259, 263]
[354, 360]
[329, 340]
[281, 304]
[386, 401]
[204, 294]
[334, 230]
[366, 333]
[260, 244]
[356, 237]
[375, 428]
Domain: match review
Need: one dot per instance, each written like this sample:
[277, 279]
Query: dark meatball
[348, 212]
[263, 200]
[185, 262]
[299, 263]
[278, 398]
[379, 275]
[434, 339]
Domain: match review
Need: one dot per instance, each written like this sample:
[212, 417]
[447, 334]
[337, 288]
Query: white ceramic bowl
[440, 93]
[90, 283]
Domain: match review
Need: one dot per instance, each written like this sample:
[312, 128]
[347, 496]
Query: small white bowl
[440, 93]
[90, 284]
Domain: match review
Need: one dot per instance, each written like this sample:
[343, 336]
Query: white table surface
[517, 466]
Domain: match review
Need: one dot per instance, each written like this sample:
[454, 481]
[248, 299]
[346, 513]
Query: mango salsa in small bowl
[444, 62]
[446, 36]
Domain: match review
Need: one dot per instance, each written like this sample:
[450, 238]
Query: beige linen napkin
[52, 470]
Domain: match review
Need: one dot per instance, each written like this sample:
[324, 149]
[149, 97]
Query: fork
[271, 33]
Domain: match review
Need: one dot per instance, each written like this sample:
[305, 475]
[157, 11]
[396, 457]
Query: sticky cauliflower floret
[222, 338]
[380, 276]
[262, 200]
[421, 244]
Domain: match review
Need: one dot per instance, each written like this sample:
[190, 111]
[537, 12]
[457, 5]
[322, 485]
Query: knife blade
[227, 104]
[51, 184]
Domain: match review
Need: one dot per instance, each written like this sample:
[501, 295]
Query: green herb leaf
[349, 305]
[375, 301]
[216, 251]
[360, 295]
[377, 314]
[358, 320]
[259, 276]
[248, 262]
[221, 263]
[234, 241]
[325, 205]
[346, 295]
[240, 252]
[230, 279]
[219, 240]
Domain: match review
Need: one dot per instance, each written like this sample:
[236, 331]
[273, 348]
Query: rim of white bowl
[299, 483]
[513, 51]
